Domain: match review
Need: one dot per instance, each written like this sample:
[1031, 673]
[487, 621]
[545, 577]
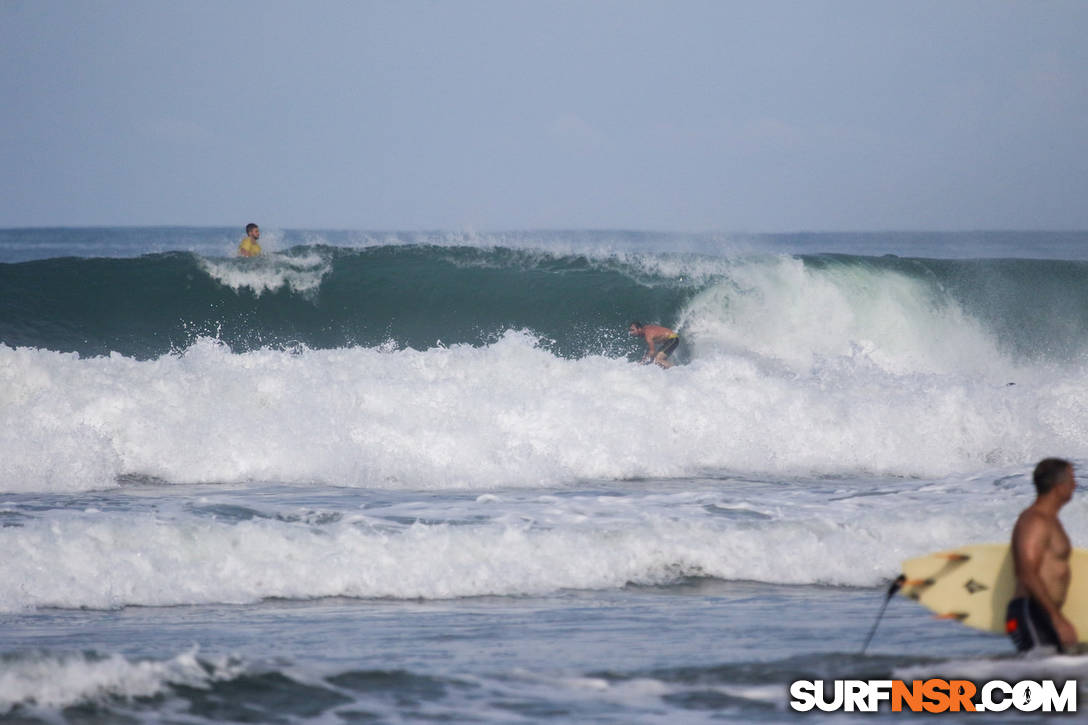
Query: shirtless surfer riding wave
[656, 335]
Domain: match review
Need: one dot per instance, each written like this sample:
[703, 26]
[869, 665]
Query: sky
[680, 115]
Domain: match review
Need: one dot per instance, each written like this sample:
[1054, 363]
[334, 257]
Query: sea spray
[214, 546]
[506, 414]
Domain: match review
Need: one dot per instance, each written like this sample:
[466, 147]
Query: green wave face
[792, 308]
[322, 298]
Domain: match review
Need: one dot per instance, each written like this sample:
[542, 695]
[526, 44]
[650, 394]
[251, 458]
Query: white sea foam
[783, 310]
[60, 680]
[533, 545]
[269, 272]
[511, 414]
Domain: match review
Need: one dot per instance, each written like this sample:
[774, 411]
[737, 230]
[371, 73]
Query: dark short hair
[637, 324]
[1049, 473]
[250, 227]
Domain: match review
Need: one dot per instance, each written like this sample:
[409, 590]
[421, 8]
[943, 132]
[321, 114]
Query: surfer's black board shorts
[1029, 626]
[670, 345]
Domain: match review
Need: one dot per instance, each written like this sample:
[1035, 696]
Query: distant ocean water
[406, 477]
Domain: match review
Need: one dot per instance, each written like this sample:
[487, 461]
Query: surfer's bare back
[655, 335]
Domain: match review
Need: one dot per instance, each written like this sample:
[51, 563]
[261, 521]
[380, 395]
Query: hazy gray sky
[675, 115]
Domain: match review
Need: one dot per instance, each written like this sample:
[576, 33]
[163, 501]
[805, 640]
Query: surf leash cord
[887, 598]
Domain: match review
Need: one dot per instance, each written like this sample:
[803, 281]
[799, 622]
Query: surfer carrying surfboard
[656, 335]
[1041, 550]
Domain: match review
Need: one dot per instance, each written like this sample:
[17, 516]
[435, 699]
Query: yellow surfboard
[973, 584]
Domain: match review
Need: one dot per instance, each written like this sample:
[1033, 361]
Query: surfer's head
[635, 328]
[1050, 473]
[252, 230]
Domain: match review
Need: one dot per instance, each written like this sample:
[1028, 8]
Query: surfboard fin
[958, 616]
[918, 583]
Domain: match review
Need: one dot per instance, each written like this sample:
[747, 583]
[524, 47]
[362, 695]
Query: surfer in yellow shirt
[249, 246]
[656, 335]
[1040, 555]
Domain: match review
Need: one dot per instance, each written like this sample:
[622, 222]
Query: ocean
[418, 477]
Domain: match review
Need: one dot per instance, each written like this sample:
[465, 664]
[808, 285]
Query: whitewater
[406, 476]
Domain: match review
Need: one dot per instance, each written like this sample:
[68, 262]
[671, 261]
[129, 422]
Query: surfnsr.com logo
[933, 695]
